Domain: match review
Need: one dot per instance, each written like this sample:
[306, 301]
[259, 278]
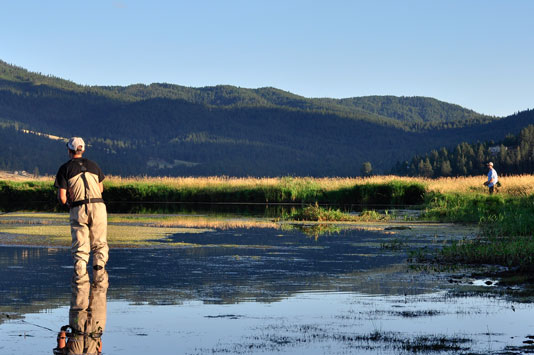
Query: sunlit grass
[194, 221]
[516, 185]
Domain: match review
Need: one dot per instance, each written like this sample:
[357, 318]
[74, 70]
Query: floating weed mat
[33, 218]
[53, 229]
[34, 215]
[118, 236]
[194, 221]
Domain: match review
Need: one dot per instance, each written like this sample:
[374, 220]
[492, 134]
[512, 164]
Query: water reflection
[250, 286]
[87, 315]
[225, 265]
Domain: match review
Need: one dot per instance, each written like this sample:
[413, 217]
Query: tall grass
[364, 192]
[497, 215]
[516, 251]
[506, 219]
[506, 223]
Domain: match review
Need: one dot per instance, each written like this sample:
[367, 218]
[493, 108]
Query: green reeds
[496, 215]
[506, 224]
[319, 214]
[515, 252]
[41, 195]
[33, 195]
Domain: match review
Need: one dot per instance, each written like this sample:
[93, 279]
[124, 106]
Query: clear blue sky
[475, 53]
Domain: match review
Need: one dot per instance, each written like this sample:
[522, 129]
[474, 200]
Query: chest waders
[86, 199]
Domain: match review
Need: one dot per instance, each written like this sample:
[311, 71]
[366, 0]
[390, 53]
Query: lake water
[287, 289]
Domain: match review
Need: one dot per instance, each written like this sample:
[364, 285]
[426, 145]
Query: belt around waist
[86, 201]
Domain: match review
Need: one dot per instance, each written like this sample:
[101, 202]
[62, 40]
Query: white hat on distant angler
[77, 144]
[488, 164]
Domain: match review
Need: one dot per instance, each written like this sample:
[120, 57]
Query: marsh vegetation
[506, 220]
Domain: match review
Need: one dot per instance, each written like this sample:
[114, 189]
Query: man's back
[81, 178]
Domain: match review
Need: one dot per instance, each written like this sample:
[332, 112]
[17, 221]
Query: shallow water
[260, 290]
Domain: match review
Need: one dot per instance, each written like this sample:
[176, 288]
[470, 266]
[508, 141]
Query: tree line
[513, 155]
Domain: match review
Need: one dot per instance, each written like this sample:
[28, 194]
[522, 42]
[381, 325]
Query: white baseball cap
[76, 144]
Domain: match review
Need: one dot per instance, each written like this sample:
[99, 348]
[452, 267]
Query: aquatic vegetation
[506, 219]
[321, 214]
[28, 229]
[508, 251]
[506, 224]
[212, 222]
[420, 343]
[395, 244]
[275, 339]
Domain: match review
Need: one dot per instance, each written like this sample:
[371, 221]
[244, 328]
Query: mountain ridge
[229, 96]
[167, 129]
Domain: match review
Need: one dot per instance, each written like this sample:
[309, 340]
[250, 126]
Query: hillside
[164, 129]
[512, 155]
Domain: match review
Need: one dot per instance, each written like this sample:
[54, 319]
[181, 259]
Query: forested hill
[512, 155]
[164, 129]
[409, 113]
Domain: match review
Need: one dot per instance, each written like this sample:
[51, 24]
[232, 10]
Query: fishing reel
[66, 335]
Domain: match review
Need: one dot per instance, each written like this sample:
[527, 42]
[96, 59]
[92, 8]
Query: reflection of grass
[316, 230]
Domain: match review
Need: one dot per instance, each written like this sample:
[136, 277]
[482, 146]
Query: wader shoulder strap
[86, 188]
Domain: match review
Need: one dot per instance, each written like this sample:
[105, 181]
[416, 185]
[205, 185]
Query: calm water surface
[259, 290]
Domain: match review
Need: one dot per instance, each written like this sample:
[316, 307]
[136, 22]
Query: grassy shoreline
[505, 219]
[506, 224]
[40, 195]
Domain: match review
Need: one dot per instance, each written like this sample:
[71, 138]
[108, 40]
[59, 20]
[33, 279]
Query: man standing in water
[79, 184]
[492, 178]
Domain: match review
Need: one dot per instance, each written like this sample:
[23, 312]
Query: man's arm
[62, 196]
[101, 186]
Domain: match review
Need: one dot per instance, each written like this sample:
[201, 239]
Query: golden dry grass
[517, 185]
[4, 175]
[196, 222]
